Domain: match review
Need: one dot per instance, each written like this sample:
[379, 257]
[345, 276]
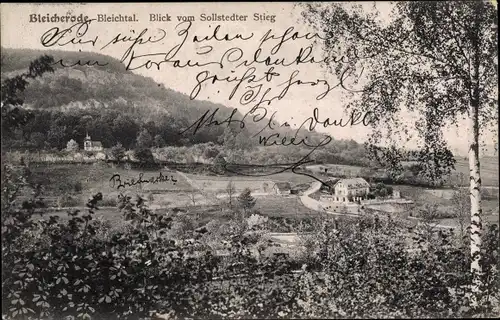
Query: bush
[118, 152]
[72, 146]
[219, 164]
[211, 152]
[144, 155]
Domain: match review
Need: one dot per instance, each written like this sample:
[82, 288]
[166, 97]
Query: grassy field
[74, 178]
[108, 213]
[283, 207]
[255, 181]
[489, 170]
[220, 185]
[270, 206]
[489, 219]
[421, 196]
[80, 181]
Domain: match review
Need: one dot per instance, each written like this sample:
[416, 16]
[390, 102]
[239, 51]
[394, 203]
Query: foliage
[14, 117]
[245, 199]
[158, 141]
[426, 62]
[118, 115]
[153, 263]
[211, 152]
[144, 155]
[461, 209]
[55, 136]
[72, 145]
[256, 220]
[67, 201]
[381, 190]
[109, 202]
[37, 139]
[220, 164]
[118, 152]
[144, 139]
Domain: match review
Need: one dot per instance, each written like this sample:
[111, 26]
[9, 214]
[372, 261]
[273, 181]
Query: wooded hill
[114, 105]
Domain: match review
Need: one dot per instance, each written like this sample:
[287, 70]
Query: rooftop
[96, 144]
[354, 183]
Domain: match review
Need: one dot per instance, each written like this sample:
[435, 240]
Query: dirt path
[310, 202]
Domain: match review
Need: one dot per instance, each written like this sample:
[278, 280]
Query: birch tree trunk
[475, 208]
[475, 177]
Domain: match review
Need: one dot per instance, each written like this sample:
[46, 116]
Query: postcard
[250, 160]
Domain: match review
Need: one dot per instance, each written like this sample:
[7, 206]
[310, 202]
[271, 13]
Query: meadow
[83, 180]
[287, 176]
[77, 182]
[489, 170]
[423, 196]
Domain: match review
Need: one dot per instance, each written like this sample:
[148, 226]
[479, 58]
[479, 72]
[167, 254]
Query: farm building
[355, 187]
[282, 188]
[90, 145]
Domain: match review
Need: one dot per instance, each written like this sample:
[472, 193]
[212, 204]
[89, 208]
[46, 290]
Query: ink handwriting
[116, 180]
[73, 35]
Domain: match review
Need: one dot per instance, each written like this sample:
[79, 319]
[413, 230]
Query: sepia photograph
[250, 160]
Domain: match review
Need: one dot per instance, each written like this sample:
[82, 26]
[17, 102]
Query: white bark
[475, 201]
[475, 177]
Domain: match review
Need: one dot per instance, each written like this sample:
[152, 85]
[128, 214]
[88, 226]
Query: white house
[89, 145]
[355, 187]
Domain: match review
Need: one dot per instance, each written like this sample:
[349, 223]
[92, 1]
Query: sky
[296, 105]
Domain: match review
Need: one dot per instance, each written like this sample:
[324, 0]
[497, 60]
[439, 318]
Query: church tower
[87, 143]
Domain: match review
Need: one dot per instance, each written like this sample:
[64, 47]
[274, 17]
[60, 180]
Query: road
[310, 202]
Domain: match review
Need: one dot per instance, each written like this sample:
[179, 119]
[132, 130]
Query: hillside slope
[114, 105]
[98, 86]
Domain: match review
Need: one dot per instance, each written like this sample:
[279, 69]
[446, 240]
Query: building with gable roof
[89, 145]
[355, 188]
[351, 186]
